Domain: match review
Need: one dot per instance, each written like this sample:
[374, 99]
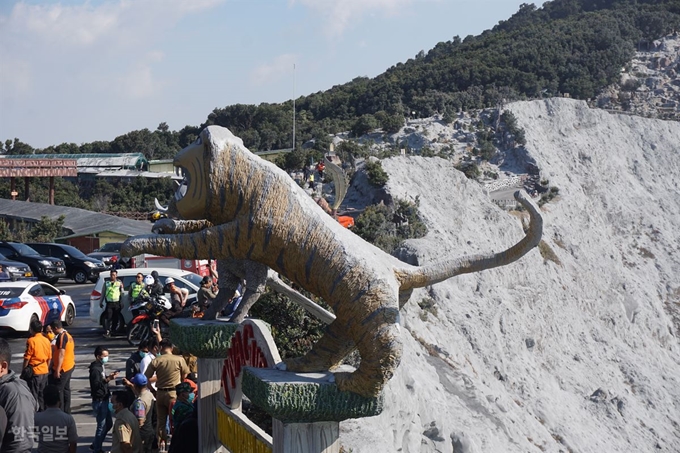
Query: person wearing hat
[184, 406]
[170, 370]
[178, 297]
[206, 294]
[142, 409]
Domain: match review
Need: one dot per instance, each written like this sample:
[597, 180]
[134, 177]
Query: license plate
[60, 269]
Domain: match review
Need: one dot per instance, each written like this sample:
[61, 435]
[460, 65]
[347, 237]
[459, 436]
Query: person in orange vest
[37, 356]
[63, 363]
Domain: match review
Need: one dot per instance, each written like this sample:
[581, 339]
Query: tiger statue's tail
[437, 272]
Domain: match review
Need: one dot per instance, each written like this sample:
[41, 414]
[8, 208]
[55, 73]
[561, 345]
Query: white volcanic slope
[511, 359]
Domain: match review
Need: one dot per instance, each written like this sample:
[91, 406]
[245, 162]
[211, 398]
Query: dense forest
[566, 46]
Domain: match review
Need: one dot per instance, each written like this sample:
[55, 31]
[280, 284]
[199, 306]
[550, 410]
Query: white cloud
[269, 72]
[139, 83]
[339, 14]
[40, 40]
[62, 25]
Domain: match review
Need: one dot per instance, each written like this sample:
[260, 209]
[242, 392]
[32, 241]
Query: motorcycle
[146, 310]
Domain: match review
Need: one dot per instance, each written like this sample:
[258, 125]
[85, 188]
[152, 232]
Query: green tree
[364, 125]
[47, 229]
[376, 174]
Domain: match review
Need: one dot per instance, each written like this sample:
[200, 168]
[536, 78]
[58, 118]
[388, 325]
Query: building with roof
[83, 229]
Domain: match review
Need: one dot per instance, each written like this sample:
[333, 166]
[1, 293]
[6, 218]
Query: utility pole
[293, 106]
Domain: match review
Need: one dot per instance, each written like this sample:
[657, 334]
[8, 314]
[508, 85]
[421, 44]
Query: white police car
[22, 301]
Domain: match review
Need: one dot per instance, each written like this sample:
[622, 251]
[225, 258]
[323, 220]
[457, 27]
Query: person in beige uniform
[170, 370]
[126, 437]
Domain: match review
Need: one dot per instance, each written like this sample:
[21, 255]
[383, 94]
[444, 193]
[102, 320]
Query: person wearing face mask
[133, 362]
[125, 435]
[184, 406]
[99, 390]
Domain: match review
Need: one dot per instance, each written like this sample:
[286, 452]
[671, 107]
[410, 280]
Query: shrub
[376, 175]
[470, 169]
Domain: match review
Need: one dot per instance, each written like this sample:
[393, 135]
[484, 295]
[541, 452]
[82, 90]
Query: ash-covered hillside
[574, 348]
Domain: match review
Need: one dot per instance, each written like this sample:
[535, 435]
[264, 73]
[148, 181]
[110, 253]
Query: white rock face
[580, 356]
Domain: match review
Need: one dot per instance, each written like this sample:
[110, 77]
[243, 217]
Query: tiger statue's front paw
[164, 226]
[135, 246]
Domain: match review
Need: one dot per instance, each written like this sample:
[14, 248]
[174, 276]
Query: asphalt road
[87, 336]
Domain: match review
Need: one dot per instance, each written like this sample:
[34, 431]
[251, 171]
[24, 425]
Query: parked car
[79, 266]
[44, 267]
[183, 279]
[23, 301]
[108, 251]
[15, 269]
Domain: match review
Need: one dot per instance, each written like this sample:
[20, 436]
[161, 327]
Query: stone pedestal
[209, 341]
[306, 408]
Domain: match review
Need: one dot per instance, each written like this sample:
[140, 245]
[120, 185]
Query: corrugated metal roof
[119, 160]
[79, 221]
[134, 174]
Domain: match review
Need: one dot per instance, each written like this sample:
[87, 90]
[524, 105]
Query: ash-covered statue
[242, 207]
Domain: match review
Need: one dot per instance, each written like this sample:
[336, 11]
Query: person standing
[19, 406]
[184, 406]
[170, 370]
[55, 429]
[143, 409]
[113, 289]
[99, 390]
[153, 347]
[63, 363]
[133, 362]
[3, 425]
[126, 437]
[4, 275]
[37, 356]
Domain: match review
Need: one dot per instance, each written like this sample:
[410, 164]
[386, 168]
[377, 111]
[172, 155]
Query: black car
[15, 269]
[108, 251]
[79, 266]
[45, 268]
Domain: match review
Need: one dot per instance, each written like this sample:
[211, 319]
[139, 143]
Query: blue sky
[78, 71]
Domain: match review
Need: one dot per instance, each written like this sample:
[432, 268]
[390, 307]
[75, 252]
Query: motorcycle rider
[178, 298]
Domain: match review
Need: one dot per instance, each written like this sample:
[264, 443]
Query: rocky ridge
[575, 347]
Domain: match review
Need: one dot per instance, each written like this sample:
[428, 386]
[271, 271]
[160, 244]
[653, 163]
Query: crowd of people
[156, 397]
[153, 403]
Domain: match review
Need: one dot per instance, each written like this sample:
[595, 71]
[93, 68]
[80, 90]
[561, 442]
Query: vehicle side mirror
[62, 292]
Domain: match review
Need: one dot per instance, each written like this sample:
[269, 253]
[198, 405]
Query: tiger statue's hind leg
[375, 335]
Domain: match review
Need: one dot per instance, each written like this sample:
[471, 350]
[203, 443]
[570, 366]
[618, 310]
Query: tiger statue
[246, 208]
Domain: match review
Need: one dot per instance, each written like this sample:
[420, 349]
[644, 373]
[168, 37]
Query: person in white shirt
[154, 346]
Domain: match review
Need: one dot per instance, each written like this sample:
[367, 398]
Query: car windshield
[74, 252]
[23, 249]
[10, 291]
[111, 247]
[193, 278]
[3, 257]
